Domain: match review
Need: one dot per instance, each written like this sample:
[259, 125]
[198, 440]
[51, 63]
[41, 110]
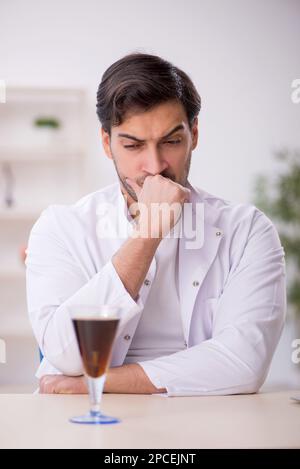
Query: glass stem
[96, 386]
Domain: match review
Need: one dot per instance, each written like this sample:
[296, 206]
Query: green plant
[279, 197]
[50, 122]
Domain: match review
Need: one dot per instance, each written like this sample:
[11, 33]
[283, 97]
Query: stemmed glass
[95, 329]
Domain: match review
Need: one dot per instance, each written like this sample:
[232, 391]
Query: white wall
[242, 56]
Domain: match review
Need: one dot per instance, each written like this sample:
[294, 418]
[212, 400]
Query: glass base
[94, 418]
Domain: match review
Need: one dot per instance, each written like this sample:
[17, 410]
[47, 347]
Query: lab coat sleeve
[247, 323]
[54, 281]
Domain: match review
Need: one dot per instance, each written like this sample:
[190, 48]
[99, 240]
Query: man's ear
[195, 133]
[106, 143]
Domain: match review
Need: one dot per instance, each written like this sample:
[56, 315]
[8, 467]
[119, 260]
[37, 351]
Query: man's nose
[153, 162]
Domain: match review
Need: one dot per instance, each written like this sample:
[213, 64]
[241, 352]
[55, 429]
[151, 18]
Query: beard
[182, 179]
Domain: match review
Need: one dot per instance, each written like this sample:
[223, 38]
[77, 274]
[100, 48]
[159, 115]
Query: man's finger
[47, 384]
[60, 384]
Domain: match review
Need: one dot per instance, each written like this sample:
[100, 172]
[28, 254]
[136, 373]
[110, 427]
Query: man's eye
[173, 142]
[130, 147]
[135, 146]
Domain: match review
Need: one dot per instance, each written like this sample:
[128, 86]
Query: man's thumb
[137, 189]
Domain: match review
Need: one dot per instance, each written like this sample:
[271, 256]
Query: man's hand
[126, 379]
[61, 384]
[159, 205]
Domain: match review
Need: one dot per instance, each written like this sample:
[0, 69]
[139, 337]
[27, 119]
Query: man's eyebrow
[178, 127]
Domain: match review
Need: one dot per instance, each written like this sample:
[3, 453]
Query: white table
[266, 420]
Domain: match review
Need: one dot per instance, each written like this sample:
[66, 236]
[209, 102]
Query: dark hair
[138, 82]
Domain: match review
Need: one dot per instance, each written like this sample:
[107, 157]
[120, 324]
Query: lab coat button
[127, 337]
[195, 283]
[218, 233]
[147, 282]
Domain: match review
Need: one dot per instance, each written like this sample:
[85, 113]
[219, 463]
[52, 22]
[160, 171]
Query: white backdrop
[242, 56]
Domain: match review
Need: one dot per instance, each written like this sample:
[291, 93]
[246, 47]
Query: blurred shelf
[51, 155]
[38, 168]
[33, 94]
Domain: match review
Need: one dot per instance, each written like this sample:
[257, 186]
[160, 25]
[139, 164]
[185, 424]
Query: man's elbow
[253, 385]
[68, 364]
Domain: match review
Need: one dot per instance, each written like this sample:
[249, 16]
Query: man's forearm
[129, 379]
[126, 379]
[132, 262]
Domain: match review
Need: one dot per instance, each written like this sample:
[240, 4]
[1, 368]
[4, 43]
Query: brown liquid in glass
[95, 339]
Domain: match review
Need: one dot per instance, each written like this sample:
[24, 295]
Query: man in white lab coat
[202, 309]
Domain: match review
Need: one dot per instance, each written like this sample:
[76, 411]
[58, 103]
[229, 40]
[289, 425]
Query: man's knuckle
[47, 384]
[177, 192]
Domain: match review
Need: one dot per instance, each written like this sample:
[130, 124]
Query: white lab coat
[232, 293]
